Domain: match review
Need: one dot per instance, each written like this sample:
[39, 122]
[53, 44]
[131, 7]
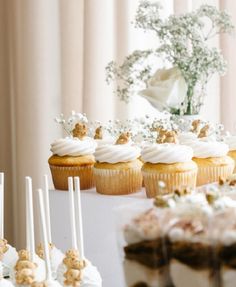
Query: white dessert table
[101, 246]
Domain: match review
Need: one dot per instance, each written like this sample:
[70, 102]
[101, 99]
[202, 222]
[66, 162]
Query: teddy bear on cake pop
[73, 277]
[3, 247]
[39, 284]
[25, 269]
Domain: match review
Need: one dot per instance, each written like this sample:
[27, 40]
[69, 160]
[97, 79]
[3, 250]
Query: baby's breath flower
[183, 42]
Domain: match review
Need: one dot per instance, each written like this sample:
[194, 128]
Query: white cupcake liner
[172, 181]
[211, 174]
[60, 176]
[117, 182]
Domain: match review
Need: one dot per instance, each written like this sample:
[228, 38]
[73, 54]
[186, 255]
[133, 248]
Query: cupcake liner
[172, 181]
[211, 174]
[232, 154]
[117, 182]
[234, 171]
[60, 176]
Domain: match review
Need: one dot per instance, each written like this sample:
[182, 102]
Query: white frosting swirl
[166, 153]
[106, 140]
[186, 137]
[231, 142]
[205, 149]
[117, 153]
[73, 146]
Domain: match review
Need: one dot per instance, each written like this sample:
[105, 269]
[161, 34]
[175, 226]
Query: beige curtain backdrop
[52, 59]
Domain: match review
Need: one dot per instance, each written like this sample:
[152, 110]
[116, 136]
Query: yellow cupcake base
[210, 169]
[66, 166]
[232, 154]
[177, 175]
[119, 178]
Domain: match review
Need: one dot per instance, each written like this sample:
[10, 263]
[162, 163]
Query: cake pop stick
[72, 213]
[1, 205]
[79, 222]
[45, 236]
[47, 208]
[30, 219]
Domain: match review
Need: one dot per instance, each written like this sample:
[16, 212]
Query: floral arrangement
[184, 45]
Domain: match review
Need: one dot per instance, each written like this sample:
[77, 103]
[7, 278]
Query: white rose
[167, 88]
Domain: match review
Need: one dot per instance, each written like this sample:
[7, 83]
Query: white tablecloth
[99, 230]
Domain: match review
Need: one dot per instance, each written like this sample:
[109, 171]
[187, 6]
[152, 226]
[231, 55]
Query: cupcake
[73, 156]
[212, 160]
[117, 169]
[231, 142]
[168, 162]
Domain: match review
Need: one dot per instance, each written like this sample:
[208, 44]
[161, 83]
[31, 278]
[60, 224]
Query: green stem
[189, 110]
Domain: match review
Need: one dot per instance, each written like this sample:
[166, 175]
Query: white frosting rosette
[206, 149]
[73, 146]
[166, 153]
[105, 140]
[231, 142]
[114, 153]
[186, 138]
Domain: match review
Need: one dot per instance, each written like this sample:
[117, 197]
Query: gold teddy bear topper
[98, 133]
[80, 131]
[196, 126]
[204, 132]
[165, 136]
[123, 138]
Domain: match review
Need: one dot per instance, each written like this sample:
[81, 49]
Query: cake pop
[75, 269]
[35, 266]
[49, 281]
[8, 253]
[56, 256]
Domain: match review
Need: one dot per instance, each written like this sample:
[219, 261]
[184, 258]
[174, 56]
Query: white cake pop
[56, 255]
[9, 256]
[49, 281]
[4, 282]
[38, 273]
[75, 268]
